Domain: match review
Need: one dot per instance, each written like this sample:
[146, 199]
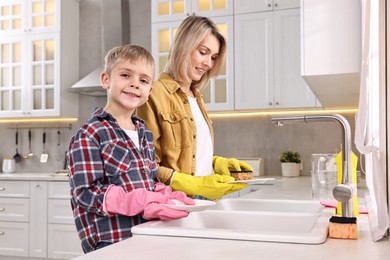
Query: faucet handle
[344, 192]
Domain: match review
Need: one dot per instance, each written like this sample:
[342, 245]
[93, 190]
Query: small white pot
[291, 169]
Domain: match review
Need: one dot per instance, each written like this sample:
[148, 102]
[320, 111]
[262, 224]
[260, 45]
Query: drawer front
[13, 239]
[12, 209]
[63, 242]
[60, 212]
[14, 189]
[59, 190]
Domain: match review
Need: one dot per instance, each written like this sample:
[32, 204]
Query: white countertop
[50, 176]
[164, 247]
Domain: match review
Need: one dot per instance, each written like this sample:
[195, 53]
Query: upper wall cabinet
[252, 6]
[217, 94]
[262, 69]
[38, 57]
[331, 50]
[176, 10]
[267, 56]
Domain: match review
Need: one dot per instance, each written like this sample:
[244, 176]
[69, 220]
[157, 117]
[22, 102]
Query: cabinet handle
[2, 188]
[2, 233]
[276, 4]
[37, 185]
[270, 103]
[269, 5]
[2, 209]
[277, 103]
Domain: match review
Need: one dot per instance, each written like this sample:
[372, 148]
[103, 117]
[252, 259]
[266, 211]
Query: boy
[112, 162]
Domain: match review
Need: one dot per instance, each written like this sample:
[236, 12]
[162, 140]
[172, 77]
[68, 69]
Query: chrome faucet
[345, 191]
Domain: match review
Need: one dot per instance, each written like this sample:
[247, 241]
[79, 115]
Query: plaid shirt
[101, 154]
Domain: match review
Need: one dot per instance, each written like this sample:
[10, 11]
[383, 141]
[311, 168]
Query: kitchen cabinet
[250, 6]
[174, 10]
[36, 220]
[63, 242]
[14, 218]
[38, 58]
[217, 94]
[262, 69]
[267, 59]
[331, 50]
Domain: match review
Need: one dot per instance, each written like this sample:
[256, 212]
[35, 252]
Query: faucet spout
[345, 191]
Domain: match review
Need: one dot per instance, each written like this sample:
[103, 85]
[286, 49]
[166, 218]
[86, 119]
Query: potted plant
[291, 163]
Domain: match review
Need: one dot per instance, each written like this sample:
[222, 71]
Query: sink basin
[273, 205]
[247, 224]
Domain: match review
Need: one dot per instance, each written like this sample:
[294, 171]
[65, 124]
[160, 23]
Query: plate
[199, 205]
[252, 181]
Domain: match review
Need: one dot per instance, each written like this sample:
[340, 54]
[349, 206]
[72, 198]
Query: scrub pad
[343, 227]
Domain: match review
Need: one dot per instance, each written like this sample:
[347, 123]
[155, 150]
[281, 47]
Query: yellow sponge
[339, 164]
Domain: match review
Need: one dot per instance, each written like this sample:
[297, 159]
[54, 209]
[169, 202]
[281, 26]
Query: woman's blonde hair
[190, 34]
[129, 52]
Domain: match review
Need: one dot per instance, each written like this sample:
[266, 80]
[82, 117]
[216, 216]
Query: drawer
[13, 239]
[59, 190]
[14, 189]
[12, 209]
[60, 212]
[63, 242]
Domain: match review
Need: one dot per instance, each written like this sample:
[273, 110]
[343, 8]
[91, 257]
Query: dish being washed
[252, 181]
[199, 205]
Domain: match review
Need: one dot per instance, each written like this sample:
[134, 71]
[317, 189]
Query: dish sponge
[342, 227]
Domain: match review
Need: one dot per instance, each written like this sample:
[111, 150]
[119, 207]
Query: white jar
[8, 165]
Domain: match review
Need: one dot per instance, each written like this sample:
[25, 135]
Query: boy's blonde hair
[129, 52]
[190, 34]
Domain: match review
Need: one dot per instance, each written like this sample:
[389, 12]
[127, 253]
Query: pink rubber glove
[177, 195]
[117, 201]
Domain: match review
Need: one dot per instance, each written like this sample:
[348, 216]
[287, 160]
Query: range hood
[115, 31]
[90, 85]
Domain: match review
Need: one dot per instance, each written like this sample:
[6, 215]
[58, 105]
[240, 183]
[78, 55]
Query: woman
[176, 114]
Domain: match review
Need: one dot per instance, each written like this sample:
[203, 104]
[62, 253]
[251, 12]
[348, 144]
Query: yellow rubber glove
[224, 165]
[212, 186]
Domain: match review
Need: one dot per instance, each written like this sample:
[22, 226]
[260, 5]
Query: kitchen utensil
[44, 154]
[8, 165]
[30, 153]
[59, 154]
[17, 156]
[66, 161]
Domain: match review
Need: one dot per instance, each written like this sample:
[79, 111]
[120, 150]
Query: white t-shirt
[133, 134]
[204, 145]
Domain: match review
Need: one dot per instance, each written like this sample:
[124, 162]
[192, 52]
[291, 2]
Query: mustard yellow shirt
[168, 115]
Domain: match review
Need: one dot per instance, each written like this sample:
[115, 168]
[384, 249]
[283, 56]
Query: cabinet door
[290, 89]
[212, 8]
[178, 10]
[253, 55]
[251, 6]
[38, 219]
[43, 16]
[170, 10]
[12, 209]
[12, 17]
[13, 239]
[12, 59]
[43, 72]
[218, 94]
[63, 242]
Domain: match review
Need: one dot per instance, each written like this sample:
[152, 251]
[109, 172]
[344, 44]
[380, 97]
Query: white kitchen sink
[273, 205]
[269, 226]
